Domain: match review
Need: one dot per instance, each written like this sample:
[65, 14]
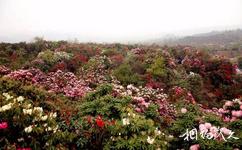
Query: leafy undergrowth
[59, 95]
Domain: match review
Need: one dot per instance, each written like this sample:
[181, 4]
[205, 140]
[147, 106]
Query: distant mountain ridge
[214, 39]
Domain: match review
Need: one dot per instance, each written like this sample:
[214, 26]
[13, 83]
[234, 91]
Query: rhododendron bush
[23, 124]
[58, 82]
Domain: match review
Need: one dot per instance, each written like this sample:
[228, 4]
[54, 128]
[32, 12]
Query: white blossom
[27, 111]
[157, 132]
[8, 97]
[38, 109]
[44, 118]
[126, 121]
[6, 107]
[150, 140]
[20, 99]
[28, 129]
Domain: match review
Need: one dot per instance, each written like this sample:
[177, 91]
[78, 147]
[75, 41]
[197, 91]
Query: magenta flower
[3, 125]
[23, 148]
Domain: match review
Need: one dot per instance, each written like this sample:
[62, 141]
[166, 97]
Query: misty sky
[114, 20]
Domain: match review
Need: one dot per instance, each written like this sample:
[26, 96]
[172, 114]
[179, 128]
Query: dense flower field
[60, 95]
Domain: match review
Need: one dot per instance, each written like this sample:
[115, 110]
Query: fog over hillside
[218, 39]
[114, 21]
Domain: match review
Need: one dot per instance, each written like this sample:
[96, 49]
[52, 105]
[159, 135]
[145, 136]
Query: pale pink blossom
[203, 128]
[208, 125]
[236, 113]
[225, 131]
[194, 147]
[214, 129]
[233, 119]
[228, 103]
[138, 110]
[226, 119]
[183, 110]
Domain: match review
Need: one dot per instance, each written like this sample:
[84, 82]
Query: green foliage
[130, 130]
[102, 103]
[135, 134]
[152, 112]
[158, 68]
[28, 91]
[207, 144]
[184, 122]
[240, 62]
[50, 58]
[126, 75]
[213, 119]
[195, 85]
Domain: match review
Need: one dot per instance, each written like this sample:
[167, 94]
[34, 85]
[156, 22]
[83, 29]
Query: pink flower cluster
[192, 62]
[214, 132]
[137, 51]
[96, 73]
[29, 75]
[182, 92]
[3, 125]
[58, 82]
[228, 113]
[67, 83]
[141, 104]
[143, 97]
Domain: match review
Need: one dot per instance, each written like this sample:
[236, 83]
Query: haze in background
[114, 20]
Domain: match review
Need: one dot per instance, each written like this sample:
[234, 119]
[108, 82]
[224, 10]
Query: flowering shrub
[66, 83]
[114, 125]
[58, 82]
[231, 111]
[201, 129]
[146, 99]
[25, 125]
[178, 93]
[95, 71]
[135, 132]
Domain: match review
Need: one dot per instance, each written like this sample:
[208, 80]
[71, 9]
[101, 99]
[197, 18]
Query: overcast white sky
[114, 20]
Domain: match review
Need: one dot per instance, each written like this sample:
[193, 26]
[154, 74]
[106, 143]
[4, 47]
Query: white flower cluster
[63, 55]
[157, 132]
[36, 112]
[8, 106]
[7, 96]
[140, 91]
[126, 120]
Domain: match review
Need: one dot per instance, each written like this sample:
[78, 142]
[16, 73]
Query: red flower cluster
[99, 121]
